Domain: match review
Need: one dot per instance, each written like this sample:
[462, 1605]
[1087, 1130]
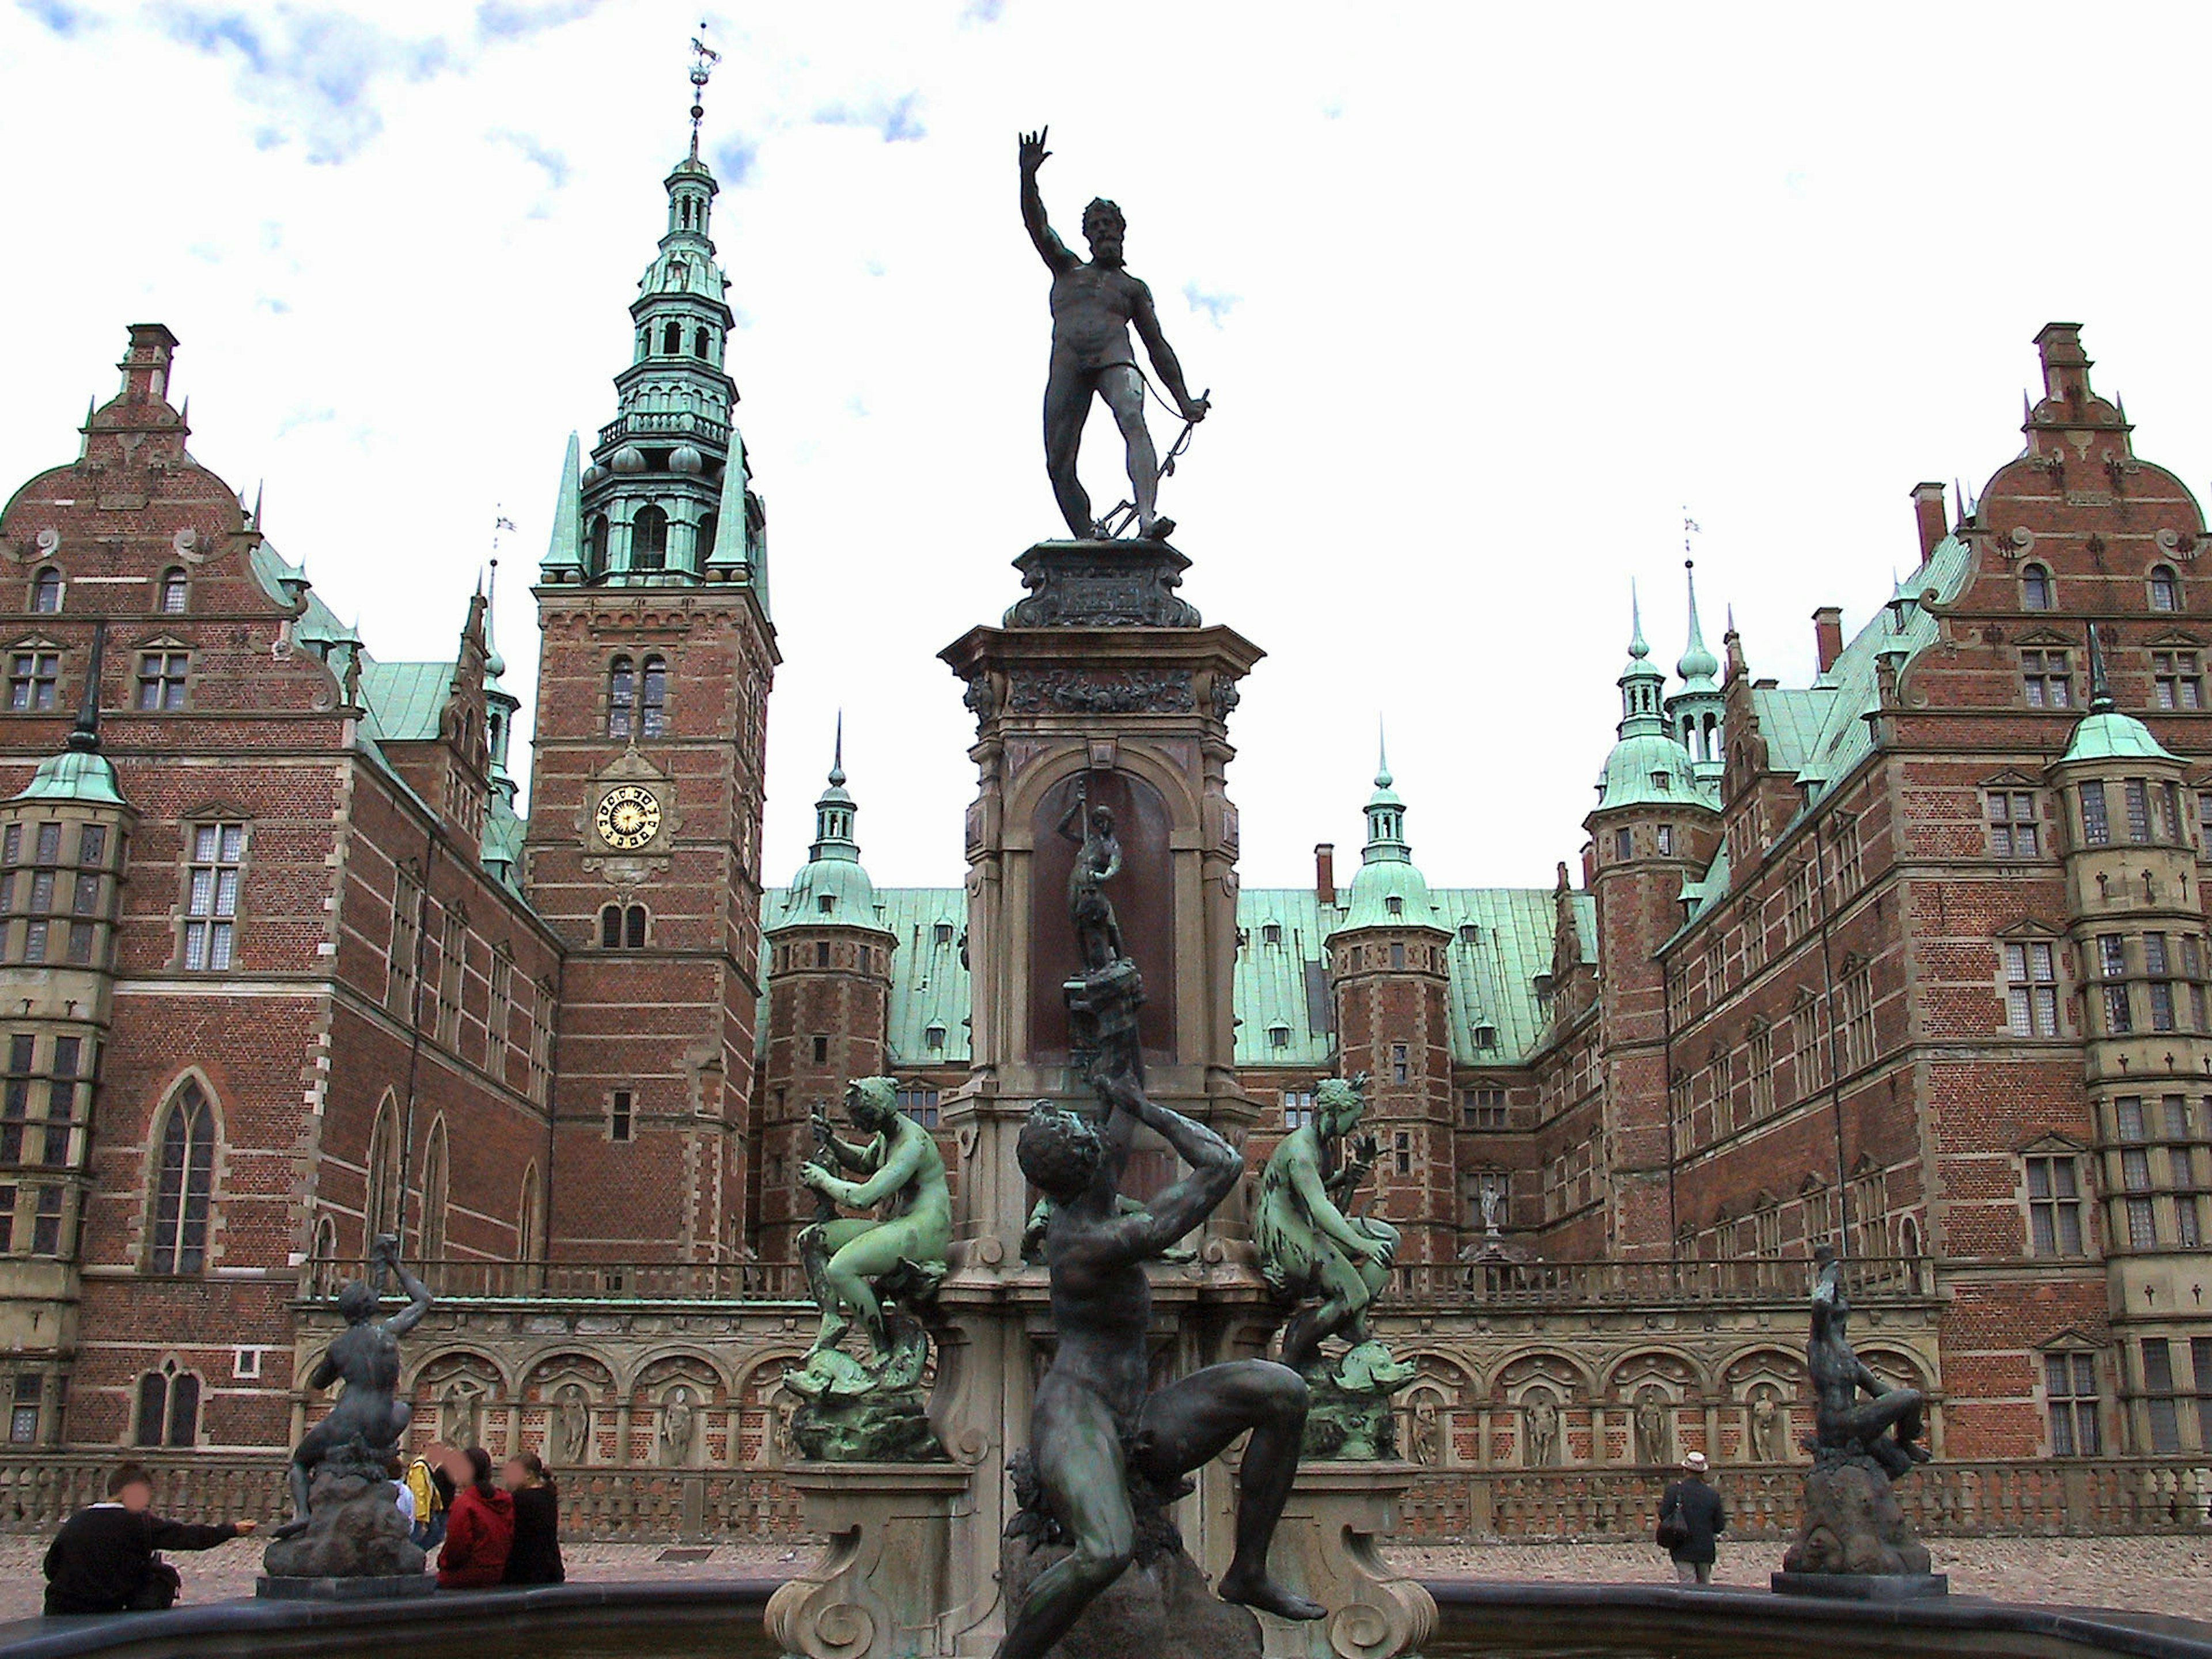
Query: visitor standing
[479, 1527]
[103, 1559]
[432, 1489]
[536, 1557]
[1691, 1520]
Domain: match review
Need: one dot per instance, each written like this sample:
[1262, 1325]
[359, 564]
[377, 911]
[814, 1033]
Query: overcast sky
[1485, 295]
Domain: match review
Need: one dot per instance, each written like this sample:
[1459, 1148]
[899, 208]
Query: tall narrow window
[595, 547]
[653, 698]
[61, 1103]
[2165, 588]
[2158, 1389]
[648, 539]
[1401, 1152]
[1401, 1066]
[2070, 1388]
[672, 338]
[399, 964]
[46, 591]
[184, 1174]
[1855, 1006]
[176, 591]
[2096, 822]
[161, 679]
[2136, 793]
[15, 1098]
[634, 928]
[435, 1186]
[1760, 1047]
[32, 675]
[2176, 680]
[622, 697]
[168, 1408]
[2031, 989]
[2034, 588]
[2013, 832]
[2156, 964]
[699, 342]
[619, 1115]
[381, 1204]
[211, 895]
[2112, 967]
[2054, 1207]
[2046, 679]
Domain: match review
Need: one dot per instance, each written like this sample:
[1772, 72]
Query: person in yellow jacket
[432, 1489]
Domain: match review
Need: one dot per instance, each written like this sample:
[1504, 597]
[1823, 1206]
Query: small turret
[1693, 713]
[831, 888]
[1389, 890]
[1646, 765]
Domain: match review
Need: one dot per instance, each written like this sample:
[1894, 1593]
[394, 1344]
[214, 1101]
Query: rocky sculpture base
[354, 1535]
[884, 1428]
[1348, 1415]
[1854, 1527]
[1101, 584]
[1325, 1549]
[1160, 1608]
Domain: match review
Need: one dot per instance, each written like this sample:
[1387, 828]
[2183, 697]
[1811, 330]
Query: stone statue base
[345, 1590]
[1325, 1549]
[1160, 1608]
[1854, 1526]
[1863, 1586]
[1349, 1418]
[884, 1583]
[1103, 584]
[884, 1428]
[354, 1531]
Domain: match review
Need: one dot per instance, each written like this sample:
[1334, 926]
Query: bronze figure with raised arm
[1886, 1426]
[365, 1356]
[1093, 1424]
[1094, 301]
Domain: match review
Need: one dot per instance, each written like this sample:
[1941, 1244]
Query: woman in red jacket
[479, 1528]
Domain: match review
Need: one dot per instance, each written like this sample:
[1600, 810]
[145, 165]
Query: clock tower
[646, 796]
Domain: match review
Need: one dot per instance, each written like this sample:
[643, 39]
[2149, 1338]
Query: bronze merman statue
[1094, 301]
[1885, 1427]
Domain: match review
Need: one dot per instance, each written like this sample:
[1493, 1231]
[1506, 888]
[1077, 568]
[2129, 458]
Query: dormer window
[933, 1039]
[1272, 934]
[825, 903]
[1469, 934]
[1393, 905]
[1278, 1037]
[942, 933]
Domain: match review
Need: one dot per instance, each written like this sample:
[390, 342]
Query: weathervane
[703, 59]
[1690, 527]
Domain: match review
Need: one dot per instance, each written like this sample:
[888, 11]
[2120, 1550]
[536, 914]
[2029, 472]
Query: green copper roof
[1389, 890]
[501, 848]
[405, 699]
[1791, 718]
[831, 887]
[927, 1022]
[1698, 665]
[564, 549]
[1646, 766]
[74, 775]
[2114, 736]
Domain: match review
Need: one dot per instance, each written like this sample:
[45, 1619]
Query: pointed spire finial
[259, 485]
[2100, 693]
[837, 754]
[1637, 648]
[1383, 778]
[703, 59]
[86, 738]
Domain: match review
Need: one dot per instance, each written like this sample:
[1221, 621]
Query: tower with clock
[646, 797]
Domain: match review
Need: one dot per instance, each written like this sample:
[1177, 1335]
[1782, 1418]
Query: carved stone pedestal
[1325, 1549]
[356, 1546]
[883, 1585]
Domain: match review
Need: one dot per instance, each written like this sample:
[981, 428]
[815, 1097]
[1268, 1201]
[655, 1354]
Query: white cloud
[1508, 288]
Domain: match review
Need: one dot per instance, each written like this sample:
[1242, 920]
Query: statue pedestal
[883, 1585]
[356, 1546]
[1325, 1549]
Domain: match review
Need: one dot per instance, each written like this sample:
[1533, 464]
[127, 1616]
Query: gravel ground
[2170, 1575]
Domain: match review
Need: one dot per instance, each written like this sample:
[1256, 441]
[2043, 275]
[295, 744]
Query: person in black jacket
[1695, 1509]
[535, 1556]
[103, 1560]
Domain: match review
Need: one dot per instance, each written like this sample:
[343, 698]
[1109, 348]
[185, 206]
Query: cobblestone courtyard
[2169, 1575]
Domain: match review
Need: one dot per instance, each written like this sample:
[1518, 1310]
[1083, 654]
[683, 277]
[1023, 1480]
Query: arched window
[672, 336]
[653, 699]
[175, 590]
[46, 590]
[2165, 588]
[168, 1407]
[621, 929]
[380, 1207]
[648, 539]
[634, 928]
[184, 1140]
[622, 697]
[595, 547]
[700, 343]
[2034, 588]
[323, 1245]
[710, 526]
[433, 1194]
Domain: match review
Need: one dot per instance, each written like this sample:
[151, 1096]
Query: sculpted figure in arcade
[365, 1356]
[1094, 1425]
[1329, 1265]
[1094, 301]
[846, 1259]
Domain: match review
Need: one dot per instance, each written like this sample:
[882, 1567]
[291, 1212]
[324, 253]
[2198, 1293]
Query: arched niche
[1144, 905]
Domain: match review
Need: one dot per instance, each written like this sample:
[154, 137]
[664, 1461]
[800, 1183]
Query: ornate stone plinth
[1325, 1549]
[884, 1585]
[356, 1544]
[1119, 584]
[1863, 1586]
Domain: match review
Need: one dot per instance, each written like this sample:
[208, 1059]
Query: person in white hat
[1691, 1520]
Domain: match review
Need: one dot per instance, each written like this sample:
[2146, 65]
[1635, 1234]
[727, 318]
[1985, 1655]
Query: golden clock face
[628, 817]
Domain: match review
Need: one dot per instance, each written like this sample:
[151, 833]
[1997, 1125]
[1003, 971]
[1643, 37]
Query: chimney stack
[1935, 522]
[1827, 635]
[146, 366]
[1325, 872]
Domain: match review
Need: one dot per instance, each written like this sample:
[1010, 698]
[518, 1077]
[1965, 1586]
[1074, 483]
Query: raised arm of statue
[418, 1301]
[1075, 822]
[1215, 1168]
[1147, 320]
[1048, 245]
